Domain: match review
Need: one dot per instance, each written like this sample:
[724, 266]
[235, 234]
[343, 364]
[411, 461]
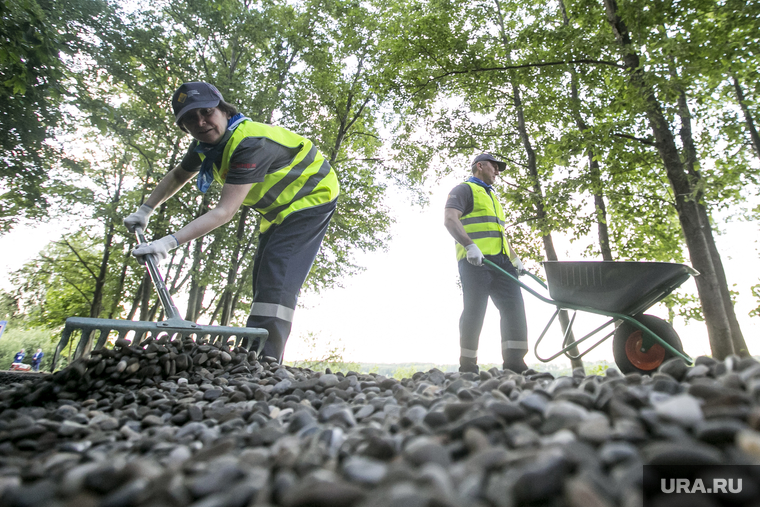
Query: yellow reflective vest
[307, 181]
[484, 224]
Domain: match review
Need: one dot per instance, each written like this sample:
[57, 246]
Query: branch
[523, 66]
[66, 242]
[646, 141]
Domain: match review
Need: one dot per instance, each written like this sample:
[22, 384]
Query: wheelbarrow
[621, 291]
[174, 326]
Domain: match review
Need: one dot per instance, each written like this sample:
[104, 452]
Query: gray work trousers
[478, 284]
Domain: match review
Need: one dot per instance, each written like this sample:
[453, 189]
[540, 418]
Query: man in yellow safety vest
[280, 174]
[474, 217]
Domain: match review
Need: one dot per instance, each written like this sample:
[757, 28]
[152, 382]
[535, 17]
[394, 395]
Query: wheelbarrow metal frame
[649, 337]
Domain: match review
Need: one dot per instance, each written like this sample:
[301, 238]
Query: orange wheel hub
[648, 360]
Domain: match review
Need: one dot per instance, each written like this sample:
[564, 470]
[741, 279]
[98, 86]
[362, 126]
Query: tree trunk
[196, 291]
[147, 285]
[100, 280]
[595, 172]
[538, 193]
[748, 120]
[232, 272]
[708, 286]
[690, 156]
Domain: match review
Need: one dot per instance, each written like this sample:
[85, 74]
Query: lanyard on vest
[212, 151]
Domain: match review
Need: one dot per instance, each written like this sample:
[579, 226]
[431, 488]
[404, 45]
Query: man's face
[487, 171]
[206, 125]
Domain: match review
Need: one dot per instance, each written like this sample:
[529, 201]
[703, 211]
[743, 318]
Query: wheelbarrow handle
[158, 282]
[536, 278]
[491, 264]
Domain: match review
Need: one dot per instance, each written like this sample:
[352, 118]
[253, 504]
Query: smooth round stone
[178, 456]
[698, 371]
[329, 380]
[66, 411]
[612, 453]
[415, 414]
[454, 411]
[675, 367]
[212, 394]
[596, 429]
[436, 376]
[364, 470]
[561, 437]
[220, 477]
[300, 420]
[152, 420]
[435, 419]
[509, 412]
[327, 411]
[580, 492]
[422, 450]
[521, 435]
[195, 413]
[323, 493]
[476, 440]
[718, 431]
[71, 428]
[128, 494]
[534, 402]
[282, 386]
[683, 409]
[560, 384]
[681, 453]
[540, 480]
[666, 385]
[565, 412]
[576, 396]
[749, 441]
[190, 429]
[489, 384]
[364, 412]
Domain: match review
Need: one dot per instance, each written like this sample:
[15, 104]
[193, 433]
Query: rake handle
[170, 309]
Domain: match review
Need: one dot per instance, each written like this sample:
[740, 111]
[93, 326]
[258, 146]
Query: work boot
[468, 365]
[517, 365]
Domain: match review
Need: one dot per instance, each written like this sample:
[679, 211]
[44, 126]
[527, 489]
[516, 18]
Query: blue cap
[488, 157]
[194, 95]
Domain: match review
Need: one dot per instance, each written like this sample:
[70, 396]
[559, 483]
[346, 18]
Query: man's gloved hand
[517, 263]
[159, 249]
[474, 255]
[138, 219]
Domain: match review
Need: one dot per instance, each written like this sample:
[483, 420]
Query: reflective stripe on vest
[484, 224]
[307, 181]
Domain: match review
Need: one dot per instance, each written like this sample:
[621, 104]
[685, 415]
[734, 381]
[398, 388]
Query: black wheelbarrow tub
[626, 288]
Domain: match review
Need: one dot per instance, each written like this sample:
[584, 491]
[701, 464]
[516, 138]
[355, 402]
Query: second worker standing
[475, 218]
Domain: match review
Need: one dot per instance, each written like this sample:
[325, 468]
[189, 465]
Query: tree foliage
[628, 125]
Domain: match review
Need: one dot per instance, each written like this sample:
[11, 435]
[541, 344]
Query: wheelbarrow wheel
[626, 345]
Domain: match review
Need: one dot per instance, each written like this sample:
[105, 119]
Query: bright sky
[405, 307]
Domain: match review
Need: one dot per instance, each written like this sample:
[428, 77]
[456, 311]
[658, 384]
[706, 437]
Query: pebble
[181, 423]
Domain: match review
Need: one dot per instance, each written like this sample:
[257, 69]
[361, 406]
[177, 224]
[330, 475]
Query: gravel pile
[178, 424]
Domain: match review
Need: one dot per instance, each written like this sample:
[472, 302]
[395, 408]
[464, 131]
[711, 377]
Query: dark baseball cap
[488, 157]
[194, 95]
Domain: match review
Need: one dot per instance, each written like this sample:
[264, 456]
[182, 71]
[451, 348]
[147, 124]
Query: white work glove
[159, 249]
[474, 255]
[138, 219]
[517, 263]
